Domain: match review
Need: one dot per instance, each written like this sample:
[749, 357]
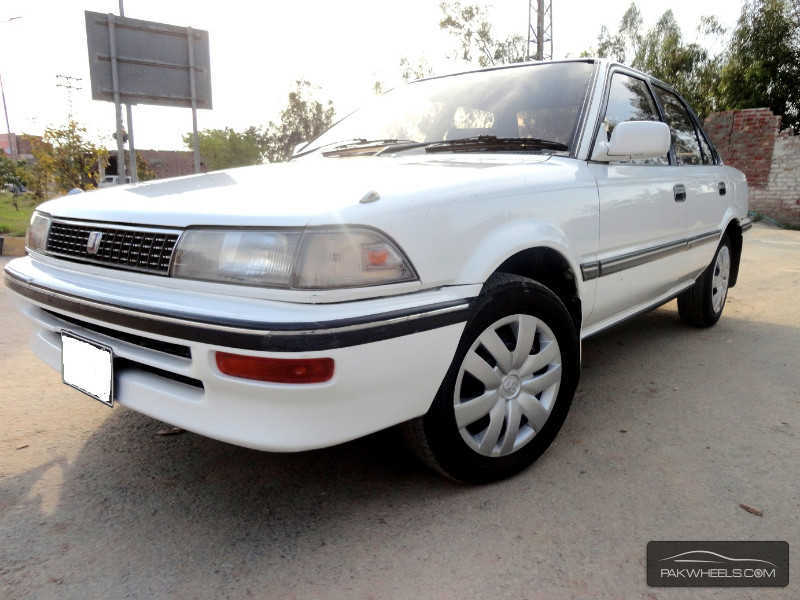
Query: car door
[642, 216]
[706, 187]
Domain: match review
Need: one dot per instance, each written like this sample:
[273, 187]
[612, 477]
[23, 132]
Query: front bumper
[390, 353]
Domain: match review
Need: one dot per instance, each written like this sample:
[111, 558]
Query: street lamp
[12, 140]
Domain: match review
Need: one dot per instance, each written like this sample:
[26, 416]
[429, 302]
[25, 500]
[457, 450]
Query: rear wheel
[508, 389]
[702, 304]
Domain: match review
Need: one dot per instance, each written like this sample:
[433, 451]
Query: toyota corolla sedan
[433, 260]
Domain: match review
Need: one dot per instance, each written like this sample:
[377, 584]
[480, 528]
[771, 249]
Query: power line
[70, 85]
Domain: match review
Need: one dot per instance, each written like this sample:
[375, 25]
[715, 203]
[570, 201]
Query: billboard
[154, 62]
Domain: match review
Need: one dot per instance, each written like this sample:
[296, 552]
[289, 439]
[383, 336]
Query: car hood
[309, 190]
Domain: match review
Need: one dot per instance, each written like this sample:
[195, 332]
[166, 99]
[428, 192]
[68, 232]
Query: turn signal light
[276, 370]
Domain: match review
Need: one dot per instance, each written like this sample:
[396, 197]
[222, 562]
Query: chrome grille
[120, 247]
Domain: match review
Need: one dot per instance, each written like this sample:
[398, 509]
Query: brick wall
[164, 163]
[170, 163]
[751, 141]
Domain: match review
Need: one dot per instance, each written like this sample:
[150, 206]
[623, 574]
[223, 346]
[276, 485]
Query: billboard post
[112, 43]
[193, 91]
[132, 169]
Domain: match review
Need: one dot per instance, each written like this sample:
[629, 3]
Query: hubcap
[507, 385]
[719, 279]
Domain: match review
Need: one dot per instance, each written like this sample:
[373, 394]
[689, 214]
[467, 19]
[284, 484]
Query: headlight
[246, 257]
[292, 258]
[36, 236]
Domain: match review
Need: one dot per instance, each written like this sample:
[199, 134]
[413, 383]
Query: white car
[434, 259]
[110, 180]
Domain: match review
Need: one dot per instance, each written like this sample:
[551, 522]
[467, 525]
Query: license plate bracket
[88, 367]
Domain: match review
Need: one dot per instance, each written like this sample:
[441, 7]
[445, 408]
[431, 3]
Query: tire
[702, 304]
[531, 387]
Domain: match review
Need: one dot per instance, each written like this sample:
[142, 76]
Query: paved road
[671, 429]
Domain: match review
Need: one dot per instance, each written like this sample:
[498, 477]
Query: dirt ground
[671, 429]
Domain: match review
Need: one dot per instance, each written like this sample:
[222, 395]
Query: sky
[259, 48]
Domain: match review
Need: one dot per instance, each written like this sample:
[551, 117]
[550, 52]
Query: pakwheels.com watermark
[717, 564]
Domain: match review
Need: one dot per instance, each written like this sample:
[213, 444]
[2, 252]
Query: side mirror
[634, 139]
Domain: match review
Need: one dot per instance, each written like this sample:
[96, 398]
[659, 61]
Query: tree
[689, 67]
[662, 52]
[144, 172]
[417, 70]
[10, 173]
[627, 39]
[226, 148]
[469, 24]
[36, 180]
[763, 62]
[65, 158]
[303, 119]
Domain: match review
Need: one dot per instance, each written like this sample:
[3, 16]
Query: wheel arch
[552, 269]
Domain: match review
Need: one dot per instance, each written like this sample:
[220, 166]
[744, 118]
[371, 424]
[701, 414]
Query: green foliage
[303, 119]
[689, 67]
[143, 170]
[65, 159]
[226, 148]
[11, 173]
[662, 52]
[35, 179]
[627, 39]
[417, 70]
[760, 67]
[763, 61]
[469, 24]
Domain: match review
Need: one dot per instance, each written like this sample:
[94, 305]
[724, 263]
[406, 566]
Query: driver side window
[629, 99]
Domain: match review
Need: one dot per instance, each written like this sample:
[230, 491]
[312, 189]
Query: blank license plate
[88, 367]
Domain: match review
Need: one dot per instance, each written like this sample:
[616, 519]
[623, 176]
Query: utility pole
[12, 139]
[540, 29]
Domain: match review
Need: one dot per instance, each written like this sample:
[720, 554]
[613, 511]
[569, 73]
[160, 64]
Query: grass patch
[14, 219]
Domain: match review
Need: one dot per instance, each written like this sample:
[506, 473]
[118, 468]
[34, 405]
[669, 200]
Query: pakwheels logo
[717, 563]
[703, 559]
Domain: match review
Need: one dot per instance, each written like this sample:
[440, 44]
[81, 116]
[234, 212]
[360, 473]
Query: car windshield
[540, 101]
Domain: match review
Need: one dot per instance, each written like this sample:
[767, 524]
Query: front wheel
[508, 389]
[701, 305]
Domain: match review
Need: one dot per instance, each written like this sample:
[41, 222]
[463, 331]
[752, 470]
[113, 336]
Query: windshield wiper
[356, 145]
[492, 142]
[340, 142]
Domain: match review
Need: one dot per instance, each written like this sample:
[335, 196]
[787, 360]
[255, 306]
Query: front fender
[502, 243]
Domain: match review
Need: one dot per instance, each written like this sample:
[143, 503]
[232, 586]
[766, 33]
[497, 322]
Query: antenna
[70, 85]
[540, 30]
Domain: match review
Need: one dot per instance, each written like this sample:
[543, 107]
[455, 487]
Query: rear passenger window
[629, 99]
[684, 135]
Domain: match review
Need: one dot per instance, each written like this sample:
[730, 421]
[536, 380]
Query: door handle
[721, 188]
[680, 192]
